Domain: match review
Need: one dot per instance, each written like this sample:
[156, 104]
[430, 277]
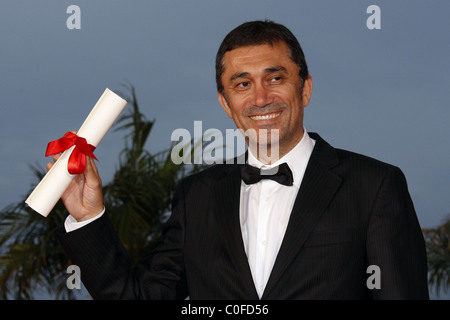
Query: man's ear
[224, 103]
[307, 91]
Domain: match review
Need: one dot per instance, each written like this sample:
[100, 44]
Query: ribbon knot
[77, 160]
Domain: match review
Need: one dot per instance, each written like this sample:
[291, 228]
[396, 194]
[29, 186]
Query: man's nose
[262, 96]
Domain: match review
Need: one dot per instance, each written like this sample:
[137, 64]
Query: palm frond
[438, 254]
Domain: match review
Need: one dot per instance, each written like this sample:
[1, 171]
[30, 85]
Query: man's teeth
[265, 117]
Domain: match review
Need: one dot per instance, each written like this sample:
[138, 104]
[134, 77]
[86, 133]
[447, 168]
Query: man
[310, 233]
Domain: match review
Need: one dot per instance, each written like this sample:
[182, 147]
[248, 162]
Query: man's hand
[83, 198]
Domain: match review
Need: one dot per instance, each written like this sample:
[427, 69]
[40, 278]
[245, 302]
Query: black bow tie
[281, 174]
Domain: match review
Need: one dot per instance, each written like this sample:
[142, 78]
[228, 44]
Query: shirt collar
[297, 158]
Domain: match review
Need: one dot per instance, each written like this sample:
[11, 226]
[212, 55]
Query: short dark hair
[257, 33]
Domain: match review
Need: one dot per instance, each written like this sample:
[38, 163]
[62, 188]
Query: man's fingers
[93, 166]
[55, 158]
[91, 172]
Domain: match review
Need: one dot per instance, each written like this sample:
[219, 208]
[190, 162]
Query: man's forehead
[258, 49]
[266, 57]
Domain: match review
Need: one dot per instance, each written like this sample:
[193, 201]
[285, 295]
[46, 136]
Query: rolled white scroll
[50, 189]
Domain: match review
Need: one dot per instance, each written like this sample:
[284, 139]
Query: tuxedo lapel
[316, 191]
[227, 196]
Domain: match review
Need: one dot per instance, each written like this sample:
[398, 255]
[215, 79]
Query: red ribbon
[77, 160]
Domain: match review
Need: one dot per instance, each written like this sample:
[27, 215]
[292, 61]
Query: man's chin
[265, 148]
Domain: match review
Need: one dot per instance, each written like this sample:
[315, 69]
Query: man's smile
[266, 116]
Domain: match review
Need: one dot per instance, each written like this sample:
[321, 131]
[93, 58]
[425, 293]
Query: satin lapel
[227, 196]
[316, 191]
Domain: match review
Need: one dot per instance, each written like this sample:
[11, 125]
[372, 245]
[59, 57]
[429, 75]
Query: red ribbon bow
[77, 160]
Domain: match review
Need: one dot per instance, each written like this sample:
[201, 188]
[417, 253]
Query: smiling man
[310, 231]
[263, 90]
[261, 86]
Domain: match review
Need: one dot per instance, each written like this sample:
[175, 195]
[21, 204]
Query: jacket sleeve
[395, 242]
[105, 265]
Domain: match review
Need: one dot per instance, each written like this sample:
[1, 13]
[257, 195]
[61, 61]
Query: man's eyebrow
[238, 75]
[275, 69]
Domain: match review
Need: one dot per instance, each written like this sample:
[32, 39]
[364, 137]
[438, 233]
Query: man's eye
[243, 84]
[276, 79]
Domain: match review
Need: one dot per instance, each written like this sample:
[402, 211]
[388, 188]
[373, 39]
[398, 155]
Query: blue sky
[384, 93]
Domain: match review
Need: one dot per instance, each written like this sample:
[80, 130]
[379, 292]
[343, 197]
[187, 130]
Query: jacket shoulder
[353, 157]
[345, 159]
[371, 169]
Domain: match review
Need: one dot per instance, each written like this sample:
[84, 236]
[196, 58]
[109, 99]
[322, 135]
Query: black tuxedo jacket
[351, 212]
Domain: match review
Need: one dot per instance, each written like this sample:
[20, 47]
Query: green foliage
[438, 252]
[137, 199]
[30, 254]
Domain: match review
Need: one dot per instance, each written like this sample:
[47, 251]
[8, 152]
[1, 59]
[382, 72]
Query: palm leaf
[438, 254]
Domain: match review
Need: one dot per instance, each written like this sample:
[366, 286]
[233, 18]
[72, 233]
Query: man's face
[262, 90]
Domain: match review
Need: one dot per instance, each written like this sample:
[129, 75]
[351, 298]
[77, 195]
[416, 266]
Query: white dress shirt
[71, 224]
[265, 208]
